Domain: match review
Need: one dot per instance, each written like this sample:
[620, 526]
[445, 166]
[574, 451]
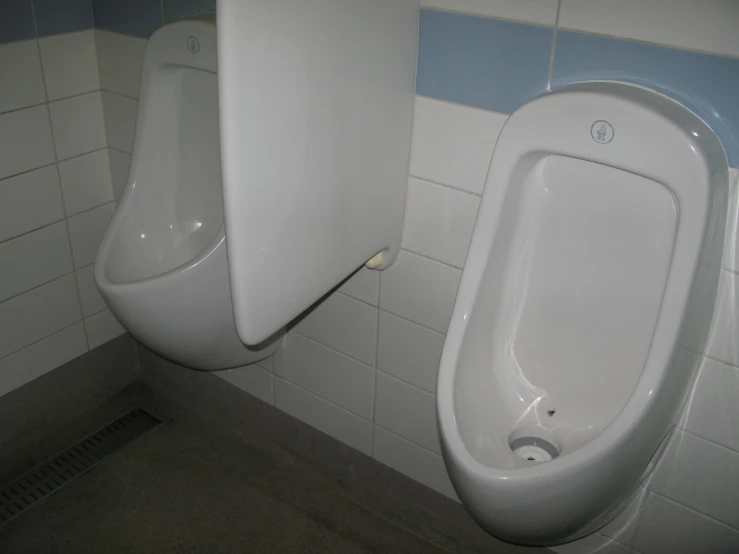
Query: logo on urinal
[602, 132]
[193, 45]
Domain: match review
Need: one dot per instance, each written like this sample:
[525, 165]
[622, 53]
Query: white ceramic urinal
[595, 257]
[162, 265]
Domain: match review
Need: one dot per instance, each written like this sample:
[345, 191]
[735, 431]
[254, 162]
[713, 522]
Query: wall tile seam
[54, 101]
[334, 350]
[315, 395]
[489, 16]
[554, 47]
[58, 172]
[33, 288]
[691, 509]
[448, 186]
[435, 454]
[86, 210]
[719, 360]
[34, 230]
[342, 293]
[412, 385]
[686, 431]
[29, 345]
[55, 161]
[110, 91]
[389, 311]
[429, 258]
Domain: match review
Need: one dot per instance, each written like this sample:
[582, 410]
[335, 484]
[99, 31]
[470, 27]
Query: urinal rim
[608, 441]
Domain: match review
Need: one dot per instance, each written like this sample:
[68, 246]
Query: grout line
[714, 359]
[44, 166]
[35, 229]
[324, 400]
[56, 278]
[29, 345]
[450, 187]
[374, 373]
[458, 104]
[403, 248]
[410, 441]
[342, 293]
[486, 16]
[331, 348]
[554, 47]
[413, 322]
[691, 509]
[407, 382]
[714, 443]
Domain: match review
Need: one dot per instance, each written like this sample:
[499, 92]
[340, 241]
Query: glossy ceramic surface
[596, 253]
[316, 111]
[162, 266]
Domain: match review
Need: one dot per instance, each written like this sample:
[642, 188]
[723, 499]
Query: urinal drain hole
[534, 449]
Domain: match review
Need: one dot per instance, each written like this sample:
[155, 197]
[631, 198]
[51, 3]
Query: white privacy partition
[316, 106]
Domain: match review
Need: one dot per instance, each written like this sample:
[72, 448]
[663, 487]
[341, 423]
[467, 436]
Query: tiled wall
[362, 366]
[56, 191]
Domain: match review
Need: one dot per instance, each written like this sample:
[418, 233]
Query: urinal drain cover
[534, 449]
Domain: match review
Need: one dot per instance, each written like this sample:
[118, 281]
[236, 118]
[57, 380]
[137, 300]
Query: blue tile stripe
[174, 10]
[16, 21]
[54, 17]
[130, 17]
[487, 63]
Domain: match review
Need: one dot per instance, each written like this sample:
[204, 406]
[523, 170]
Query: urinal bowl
[590, 279]
[162, 266]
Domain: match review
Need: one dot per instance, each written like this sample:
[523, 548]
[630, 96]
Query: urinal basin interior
[568, 302]
[173, 207]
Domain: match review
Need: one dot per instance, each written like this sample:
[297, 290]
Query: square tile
[713, 410]
[16, 21]
[364, 285]
[41, 357]
[420, 290]
[132, 17]
[70, 64]
[408, 351]
[478, 61]
[25, 141]
[623, 527]
[413, 461]
[120, 120]
[407, 412]
[101, 328]
[343, 324]
[324, 416]
[543, 12]
[120, 164]
[90, 298]
[700, 475]
[327, 373]
[23, 83]
[723, 343]
[55, 17]
[252, 379]
[175, 10]
[704, 83]
[33, 259]
[669, 527]
[78, 125]
[86, 231]
[86, 181]
[29, 201]
[119, 59]
[453, 144]
[37, 314]
[438, 221]
[709, 25]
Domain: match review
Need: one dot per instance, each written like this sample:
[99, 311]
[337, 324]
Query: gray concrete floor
[196, 485]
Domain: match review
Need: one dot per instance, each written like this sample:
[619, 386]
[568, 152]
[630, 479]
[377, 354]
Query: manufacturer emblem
[193, 45]
[602, 132]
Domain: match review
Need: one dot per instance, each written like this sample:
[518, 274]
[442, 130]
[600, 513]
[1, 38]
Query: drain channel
[46, 479]
[534, 449]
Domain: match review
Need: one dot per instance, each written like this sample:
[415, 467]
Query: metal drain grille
[46, 479]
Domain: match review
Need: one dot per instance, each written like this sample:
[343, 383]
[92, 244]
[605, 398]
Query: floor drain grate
[46, 479]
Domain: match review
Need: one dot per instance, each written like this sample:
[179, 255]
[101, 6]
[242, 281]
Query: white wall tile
[252, 379]
[709, 25]
[406, 411]
[101, 328]
[590, 544]
[25, 141]
[723, 343]
[453, 144]
[86, 181]
[39, 358]
[33, 259]
[120, 120]
[70, 64]
[120, 58]
[327, 373]
[20, 67]
[731, 241]
[413, 461]
[543, 12]
[700, 475]
[120, 163]
[438, 221]
[668, 527]
[78, 125]
[344, 324]
[29, 201]
[324, 416]
[408, 351]
[713, 411]
[37, 314]
[90, 298]
[623, 527]
[364, 285]
[420, 289]
[86, 231]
